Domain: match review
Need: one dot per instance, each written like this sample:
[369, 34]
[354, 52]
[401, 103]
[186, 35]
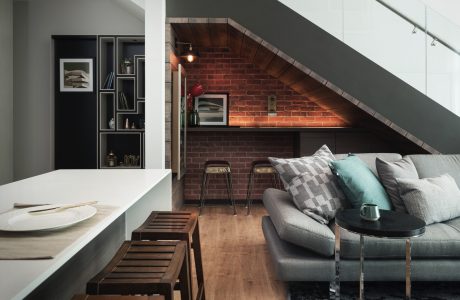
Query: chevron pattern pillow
[311, 184]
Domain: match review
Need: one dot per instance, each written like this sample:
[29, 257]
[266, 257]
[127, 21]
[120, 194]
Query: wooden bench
[145, 268]
[179, 225]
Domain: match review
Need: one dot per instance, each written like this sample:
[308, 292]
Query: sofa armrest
[294, 226]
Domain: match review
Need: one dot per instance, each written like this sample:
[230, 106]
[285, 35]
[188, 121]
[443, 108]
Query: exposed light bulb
[190, 58]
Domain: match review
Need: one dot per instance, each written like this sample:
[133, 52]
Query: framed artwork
[76, 74]
[212, 109]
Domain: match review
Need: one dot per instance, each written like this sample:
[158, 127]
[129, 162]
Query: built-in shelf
[121, 96]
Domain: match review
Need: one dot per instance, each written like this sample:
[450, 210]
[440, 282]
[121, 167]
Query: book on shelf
[108, 83]
[123, 101]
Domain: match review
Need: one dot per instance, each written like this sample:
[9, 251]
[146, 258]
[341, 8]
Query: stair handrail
[421, 27]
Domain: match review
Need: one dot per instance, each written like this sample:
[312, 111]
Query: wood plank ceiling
[279, 65]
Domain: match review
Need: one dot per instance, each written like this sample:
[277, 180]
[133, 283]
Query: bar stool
[145, 268]
[259, 167]
[219, 167]
[178, 225]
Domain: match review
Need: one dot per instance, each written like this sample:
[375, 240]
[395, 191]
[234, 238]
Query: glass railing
[407, 38]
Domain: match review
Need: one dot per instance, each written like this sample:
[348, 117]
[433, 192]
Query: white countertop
[120, 188]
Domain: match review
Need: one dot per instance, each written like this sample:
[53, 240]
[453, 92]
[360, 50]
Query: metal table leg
[337, 262]
[361, 267]
[408, 270]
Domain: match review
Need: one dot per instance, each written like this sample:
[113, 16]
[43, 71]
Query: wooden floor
[236, 261]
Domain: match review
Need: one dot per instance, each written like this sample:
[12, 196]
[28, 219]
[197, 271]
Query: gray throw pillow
[389, 171]
[431, 199]
[311, 184]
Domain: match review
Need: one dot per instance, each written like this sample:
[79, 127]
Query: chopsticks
[62, 207]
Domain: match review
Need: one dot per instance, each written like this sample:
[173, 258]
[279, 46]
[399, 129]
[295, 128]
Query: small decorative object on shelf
[112, 123]
[111, 159]
[126, 123]
[133, 126]
[131, 160]
[127, 66]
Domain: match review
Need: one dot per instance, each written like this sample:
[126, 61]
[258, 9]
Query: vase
[194, 118]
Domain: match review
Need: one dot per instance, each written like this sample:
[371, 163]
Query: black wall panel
[75, 112]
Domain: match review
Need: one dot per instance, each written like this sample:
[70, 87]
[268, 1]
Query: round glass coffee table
[391, 224]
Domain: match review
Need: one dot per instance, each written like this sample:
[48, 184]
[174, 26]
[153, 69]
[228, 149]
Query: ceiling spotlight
[414, 31]
[189, 55]
[433, 43]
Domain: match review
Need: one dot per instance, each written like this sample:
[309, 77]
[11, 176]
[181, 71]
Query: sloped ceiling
[227, 33]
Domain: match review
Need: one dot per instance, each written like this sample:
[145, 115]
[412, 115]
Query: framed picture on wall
[76, 74]
[212, 109]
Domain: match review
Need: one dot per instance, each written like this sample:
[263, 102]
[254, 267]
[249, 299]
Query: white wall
[387, 39]
[34, 23]
[155, 15]
[6, 91]
[448, 8]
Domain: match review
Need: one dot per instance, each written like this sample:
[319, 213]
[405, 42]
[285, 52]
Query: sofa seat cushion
[295, 227]
[440, 240]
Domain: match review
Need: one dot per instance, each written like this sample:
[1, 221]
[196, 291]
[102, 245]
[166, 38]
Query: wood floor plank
[236, 261]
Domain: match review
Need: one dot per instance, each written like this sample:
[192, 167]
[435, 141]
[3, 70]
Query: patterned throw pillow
[311, 184]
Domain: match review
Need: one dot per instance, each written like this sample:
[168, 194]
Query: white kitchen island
[132, 193]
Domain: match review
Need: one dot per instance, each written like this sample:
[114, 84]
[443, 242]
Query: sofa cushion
[433, 200]
[359, 184]
[389, 171]
[295, 227]
[311, 184]
[429, 165]
[439, 241]
[369, 158]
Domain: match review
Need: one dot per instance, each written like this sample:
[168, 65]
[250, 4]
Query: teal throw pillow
[359, 184]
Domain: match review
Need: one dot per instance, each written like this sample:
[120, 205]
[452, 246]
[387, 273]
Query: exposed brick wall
[240, 149]
[219, 70]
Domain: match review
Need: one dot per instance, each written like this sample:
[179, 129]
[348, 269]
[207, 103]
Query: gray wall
[6, 91]
[338, 63]
[34, 23]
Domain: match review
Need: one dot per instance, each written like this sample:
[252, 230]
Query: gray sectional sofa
[303, 249]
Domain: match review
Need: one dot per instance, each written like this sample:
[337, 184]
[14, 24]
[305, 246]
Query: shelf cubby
[121, 143]
[140, 76]
[137, 118]
[129, 47]
[106, 61]
[106, 109]
[125, 85]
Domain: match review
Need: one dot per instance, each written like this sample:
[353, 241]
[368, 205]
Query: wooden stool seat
[113, 297]
[179, 225]
[145, 268]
